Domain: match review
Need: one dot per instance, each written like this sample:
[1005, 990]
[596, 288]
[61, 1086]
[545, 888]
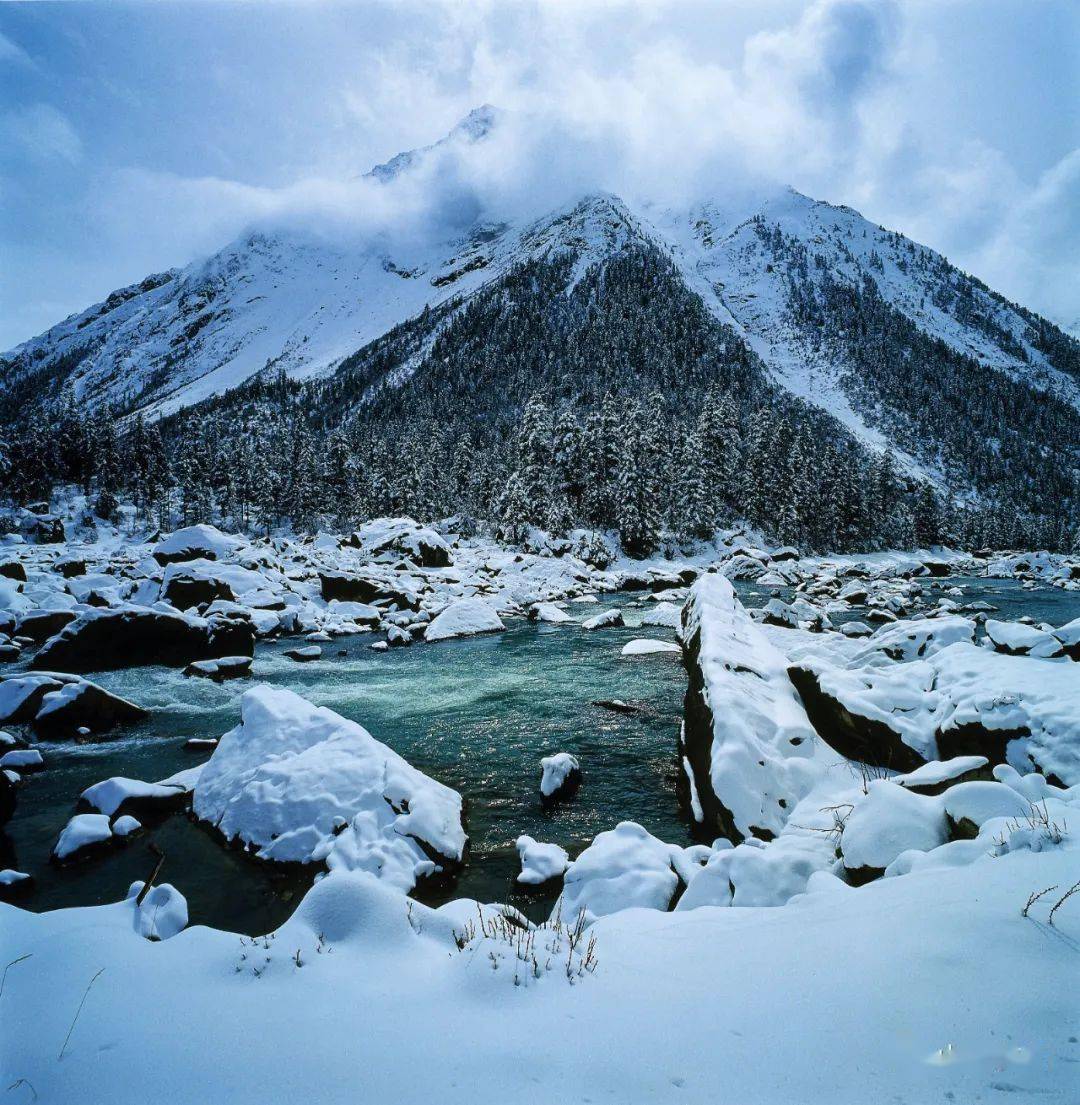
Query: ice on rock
[560, 775]
[622, 868]
[540, 862]
[299, 783]
[161, 914]
[464, 618]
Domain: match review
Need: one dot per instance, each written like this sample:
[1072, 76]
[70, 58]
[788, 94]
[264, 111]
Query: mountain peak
[476, 126]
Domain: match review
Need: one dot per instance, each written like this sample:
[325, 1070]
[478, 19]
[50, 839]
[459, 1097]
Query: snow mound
[540, 862]
[621, 869]
[889, 821]
[161, 914]
[291, 776]
[196, 542]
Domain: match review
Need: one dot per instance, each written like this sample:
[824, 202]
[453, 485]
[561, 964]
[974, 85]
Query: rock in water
[560, 777]
[297, 783]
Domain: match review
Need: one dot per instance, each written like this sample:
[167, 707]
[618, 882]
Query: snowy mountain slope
[776, 271]
[748, 269]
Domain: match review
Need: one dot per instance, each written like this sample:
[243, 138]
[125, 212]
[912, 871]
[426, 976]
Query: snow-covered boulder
[939, 775]
[196, 542]
[403, 537]
[1069, 636]
[84, 835]
[560, 776]
[877, 715]
[23, 760]
[161, 914]
[622, 868]
[14, 884]
[890, 820]
[747, 739]
[120, 795]
[606, 619]
[918, 638]
[1017, 639]
[132, 636]
[221, 669]
[548, 612]
[1022, 709]
[299, 783]
[645, 646]
[303, 654]
[665, 614]
[57, 704]
[464, 618]
[540, 863]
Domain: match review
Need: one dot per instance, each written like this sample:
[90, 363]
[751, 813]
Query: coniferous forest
[615, 402]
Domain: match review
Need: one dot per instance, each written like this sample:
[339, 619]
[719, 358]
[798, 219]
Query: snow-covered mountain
[781, 271]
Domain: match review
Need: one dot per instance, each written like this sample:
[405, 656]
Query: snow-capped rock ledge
[748, 744]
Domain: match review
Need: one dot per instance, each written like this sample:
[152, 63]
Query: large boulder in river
[102, 640]
[297, 783]
[748, 746]
[40, 625]
[57, 704]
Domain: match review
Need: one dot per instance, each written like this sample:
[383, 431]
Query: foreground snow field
[878, 909]
[930, 987]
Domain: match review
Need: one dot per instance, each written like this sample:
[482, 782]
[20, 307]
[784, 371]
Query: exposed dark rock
[352, 587]
[40, 625]
[71, 568]
[618, 706]
[13, 569]
[186, 591]
[7, 799]
[135, 636]
[867, 740]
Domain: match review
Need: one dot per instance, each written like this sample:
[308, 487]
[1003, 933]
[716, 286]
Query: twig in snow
[1033, 897]
[1063, 899]
[86, 993]
[24, 1082]
[3, 979]
[154, 851]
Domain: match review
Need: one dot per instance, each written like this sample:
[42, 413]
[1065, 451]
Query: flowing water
[477, 714]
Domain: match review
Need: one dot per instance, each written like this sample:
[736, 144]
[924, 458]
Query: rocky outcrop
[103, 640]
[40, 625]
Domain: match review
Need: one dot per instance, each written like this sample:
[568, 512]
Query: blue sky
[135, 137]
